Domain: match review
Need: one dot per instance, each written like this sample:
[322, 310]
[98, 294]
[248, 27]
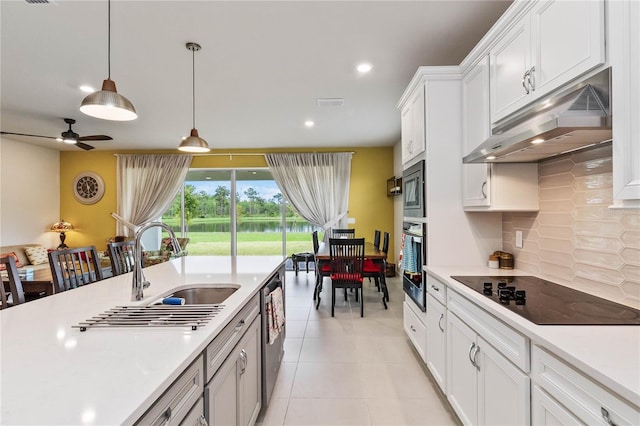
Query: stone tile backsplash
[575, 239]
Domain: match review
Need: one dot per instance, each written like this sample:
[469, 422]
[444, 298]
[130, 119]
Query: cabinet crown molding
[427, 73]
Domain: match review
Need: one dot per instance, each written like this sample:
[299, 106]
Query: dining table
[41, 284]
[370, 252]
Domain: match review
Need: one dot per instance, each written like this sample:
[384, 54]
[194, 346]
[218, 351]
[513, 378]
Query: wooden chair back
[385, 243]
[349, 233]
[376, 239]
[347, 260]
[15, 285]
[74, 267]
[122, 256]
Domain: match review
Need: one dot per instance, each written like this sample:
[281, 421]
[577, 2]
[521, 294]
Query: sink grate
[192, 316]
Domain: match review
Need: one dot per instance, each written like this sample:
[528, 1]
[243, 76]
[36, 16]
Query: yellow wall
[368, 202]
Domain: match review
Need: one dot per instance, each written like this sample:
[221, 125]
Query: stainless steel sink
[203, 294]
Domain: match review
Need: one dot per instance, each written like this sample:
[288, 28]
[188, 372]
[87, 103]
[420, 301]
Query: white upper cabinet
[625, 63]
[413, 126]
[554, 43]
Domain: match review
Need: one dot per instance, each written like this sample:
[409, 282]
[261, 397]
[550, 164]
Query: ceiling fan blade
[27, 134]
[84, 146]
[95, 138]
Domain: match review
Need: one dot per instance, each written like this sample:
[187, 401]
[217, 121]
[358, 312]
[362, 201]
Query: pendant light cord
[193, 79]
[109, 41]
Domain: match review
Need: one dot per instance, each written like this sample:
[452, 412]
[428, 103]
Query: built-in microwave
[413, 190]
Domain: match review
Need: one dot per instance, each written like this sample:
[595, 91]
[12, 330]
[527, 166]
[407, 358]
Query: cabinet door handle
[605, 416]
[412, 329]
[202, 421]
[434, 287]
[473, 346]
[475, 357]
[243, 358]
[483, 188]
[166, 416]
[524, 82]
[440, 323]
[531, 80]
[239, 326]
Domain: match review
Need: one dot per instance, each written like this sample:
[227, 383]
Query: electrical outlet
[518, 239]
[351, 220]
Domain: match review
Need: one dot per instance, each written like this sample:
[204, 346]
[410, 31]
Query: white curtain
[316, 185]
[147, 184]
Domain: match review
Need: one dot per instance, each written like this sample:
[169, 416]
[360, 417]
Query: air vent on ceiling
[329, 102]
[40, 1]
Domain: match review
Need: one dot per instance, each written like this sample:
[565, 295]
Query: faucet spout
[139, 283]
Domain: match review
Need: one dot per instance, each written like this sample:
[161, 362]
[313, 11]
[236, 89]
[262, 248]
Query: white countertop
[609, 354]
[52, 373]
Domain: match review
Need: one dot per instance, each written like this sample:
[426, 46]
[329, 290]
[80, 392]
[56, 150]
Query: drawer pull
[412, 329]
[202, 421]
[473, 346]
[440, 323]
[434, 287]
[605, 416]
[166, 416]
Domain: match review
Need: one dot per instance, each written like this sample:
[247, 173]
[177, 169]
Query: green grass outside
[249, 243]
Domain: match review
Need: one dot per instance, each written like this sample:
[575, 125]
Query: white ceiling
[262, 66]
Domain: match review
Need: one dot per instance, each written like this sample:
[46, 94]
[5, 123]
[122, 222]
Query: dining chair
[16, 295]
[348, 233]
[74, 267]
[122, 256]
[347, 259]
[323, 268]
[376, 269]
[376, 239]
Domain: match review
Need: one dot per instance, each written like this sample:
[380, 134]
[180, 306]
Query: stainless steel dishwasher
[272, 352]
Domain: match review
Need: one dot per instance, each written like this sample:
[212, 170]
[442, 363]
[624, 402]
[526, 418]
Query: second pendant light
[193, 142]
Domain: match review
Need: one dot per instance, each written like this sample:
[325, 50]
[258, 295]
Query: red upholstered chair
[347, 260]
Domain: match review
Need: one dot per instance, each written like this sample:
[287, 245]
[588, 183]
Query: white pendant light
[193, 142]
[107, 103]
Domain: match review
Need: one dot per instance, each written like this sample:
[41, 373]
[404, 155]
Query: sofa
[22, 256]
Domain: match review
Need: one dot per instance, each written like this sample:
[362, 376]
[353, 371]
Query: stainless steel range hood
[572, 118]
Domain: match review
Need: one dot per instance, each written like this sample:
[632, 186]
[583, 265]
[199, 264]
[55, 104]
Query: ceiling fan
[69, 136]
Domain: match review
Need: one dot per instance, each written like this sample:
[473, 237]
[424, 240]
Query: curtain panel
[146, 186]
[315, 184]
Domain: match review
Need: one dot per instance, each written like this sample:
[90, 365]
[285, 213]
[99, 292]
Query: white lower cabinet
[414, 325]
[483, 386]
[436, 350]
[233, 396]
[564, 395]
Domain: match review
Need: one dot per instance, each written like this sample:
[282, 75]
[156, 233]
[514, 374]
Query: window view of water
[249, 226]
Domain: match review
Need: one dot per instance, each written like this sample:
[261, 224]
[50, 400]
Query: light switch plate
[351, 220]
[518, 239]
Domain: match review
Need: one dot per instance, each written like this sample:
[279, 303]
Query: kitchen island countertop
[608, 353]
[52, 373]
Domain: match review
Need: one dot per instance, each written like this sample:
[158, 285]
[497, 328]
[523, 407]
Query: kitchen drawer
[415, 329]
[511, 344]
[585, 398]
[218, 350]
[437, 289]
[176, 403]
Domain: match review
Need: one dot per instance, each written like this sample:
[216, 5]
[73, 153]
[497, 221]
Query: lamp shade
[108, 104]
[194, 143]
[61, 226]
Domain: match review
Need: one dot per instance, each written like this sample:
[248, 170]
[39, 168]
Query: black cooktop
[545, 303]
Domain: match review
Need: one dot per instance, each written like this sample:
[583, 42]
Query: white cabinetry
[436, 356]
[552, 44]
[581, 397]
[234, 394]
[487, 365]
[414, 325]
[413, 126]
[490, 187]
[625, 62]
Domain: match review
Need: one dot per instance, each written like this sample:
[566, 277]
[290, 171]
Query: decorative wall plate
[88, 187]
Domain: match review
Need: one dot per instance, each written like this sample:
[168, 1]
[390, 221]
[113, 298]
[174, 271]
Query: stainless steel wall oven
[414, 255]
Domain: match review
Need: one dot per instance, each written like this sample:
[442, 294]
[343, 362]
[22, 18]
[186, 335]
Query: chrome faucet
[139, 282]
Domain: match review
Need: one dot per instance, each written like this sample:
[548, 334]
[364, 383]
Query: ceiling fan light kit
[108, 104]
[194, 143]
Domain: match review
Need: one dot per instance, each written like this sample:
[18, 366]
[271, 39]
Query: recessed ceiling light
[309, 123]
[208, 178]
[491, 157]
[364, 67]
[537, 141]
[87, 89]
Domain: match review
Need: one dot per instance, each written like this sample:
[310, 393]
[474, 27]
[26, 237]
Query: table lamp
[62, 227]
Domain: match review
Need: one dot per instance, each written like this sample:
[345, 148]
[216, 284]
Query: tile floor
[348, 370]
